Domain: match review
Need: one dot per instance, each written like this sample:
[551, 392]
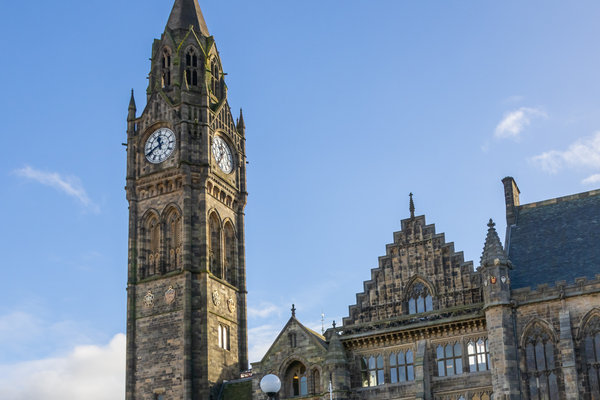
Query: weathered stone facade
[186, 320]
[430, 326]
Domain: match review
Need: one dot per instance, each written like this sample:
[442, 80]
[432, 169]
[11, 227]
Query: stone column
[567, 352]
[421, 372]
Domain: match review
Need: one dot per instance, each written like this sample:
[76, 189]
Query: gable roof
[318, 339]
[555, 240]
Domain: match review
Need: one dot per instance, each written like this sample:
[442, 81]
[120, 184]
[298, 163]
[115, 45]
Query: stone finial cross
[491, 224]
[293, 310]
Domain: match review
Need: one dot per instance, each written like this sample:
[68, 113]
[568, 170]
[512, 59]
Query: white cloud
[88, 372]
[513, 99]
[260, 339]
[585, 153]
[591, 179]
[70, 185]
[514, 122]
[265, 310]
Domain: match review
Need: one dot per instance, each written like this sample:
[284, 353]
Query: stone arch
[173, 236]
[230, 265]
[531, 325]
[165, 62]
[149, 244]
[215, 243]
[419, 295]
[584, 321]
[412, 281]
[315, 380]
[294, 368]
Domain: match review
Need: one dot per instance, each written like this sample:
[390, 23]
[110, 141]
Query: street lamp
[270, 384]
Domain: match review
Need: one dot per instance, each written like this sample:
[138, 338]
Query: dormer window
[191, 68]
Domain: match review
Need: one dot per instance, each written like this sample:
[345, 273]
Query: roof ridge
[562, 199]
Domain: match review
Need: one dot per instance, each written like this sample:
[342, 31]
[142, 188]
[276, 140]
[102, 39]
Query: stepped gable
[555, 240]
[418, 263]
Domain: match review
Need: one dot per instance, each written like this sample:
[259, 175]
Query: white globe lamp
[270, 384]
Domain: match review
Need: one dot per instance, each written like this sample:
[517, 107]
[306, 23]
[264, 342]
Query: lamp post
[270, 384]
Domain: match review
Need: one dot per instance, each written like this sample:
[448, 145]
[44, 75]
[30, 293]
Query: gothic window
[420, 299]
[215, 246]
[174, 241]
[449, 359]
[316, 382]
[215, 86]
[223, 332]
[541, 365]
[293, 340]
[402, 366]
[479, 355]
[191, 67]
[166, 68]
[591, 343]
[230, 259]
[154, 247]
[372, 371]
[296, 382]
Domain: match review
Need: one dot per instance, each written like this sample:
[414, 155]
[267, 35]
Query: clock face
[160, 145]
[222, 155]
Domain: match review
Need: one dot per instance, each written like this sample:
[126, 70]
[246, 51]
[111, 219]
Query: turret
[335, 368]
[494, 269]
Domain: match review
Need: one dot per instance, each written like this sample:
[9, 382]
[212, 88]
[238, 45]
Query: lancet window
[420, 299]
[541, 364]
[191, 67]
[449, 359]
[296, 382]
[154, 247]
[223, 332]
[215, 82]
[372, 371]
[402, 366]
[230, 264]
[174, 241]
[316, 382]
[479, 355]
[166, 68]
[591, 342]
[215, 246]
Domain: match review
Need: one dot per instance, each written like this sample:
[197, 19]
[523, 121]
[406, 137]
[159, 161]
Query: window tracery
[479, 355]
[215, 247]
[449, 359]
[420, 299]
[174, 241]
[166, 68]
[154, 247]
[215, 81]
[372, 371]
[191, 67]
[230, 264]
[402, 366]
[591, 344]
[541, 365]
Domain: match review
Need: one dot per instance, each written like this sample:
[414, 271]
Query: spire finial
[333, 325]
[412, 206]
[132, 102]
[491, 224]
[293, 310]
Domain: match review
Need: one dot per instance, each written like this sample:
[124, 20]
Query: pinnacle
[412, 206]
[241, 120]
[493, 253]
[186, 13]
[335, 351]
[132, 102]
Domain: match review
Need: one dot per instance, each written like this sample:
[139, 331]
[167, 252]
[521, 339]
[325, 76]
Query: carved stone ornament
[493, 280]
[497, 261]
[170, 295]
[216, 298]
[149, 299]
[485, 282]
[503, 279]
[231, 305]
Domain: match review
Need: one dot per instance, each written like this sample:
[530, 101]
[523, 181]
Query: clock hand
[152, 151]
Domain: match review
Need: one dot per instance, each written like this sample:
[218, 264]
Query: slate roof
[186, 13]
[555, 240]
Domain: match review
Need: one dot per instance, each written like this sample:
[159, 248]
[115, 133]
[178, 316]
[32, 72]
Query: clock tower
[186, 188]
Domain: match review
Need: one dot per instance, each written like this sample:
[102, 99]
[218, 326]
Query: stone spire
[186, 13]
[132, 109]
[241, 126]
[493, 253]
[335, 351]
[412, 206]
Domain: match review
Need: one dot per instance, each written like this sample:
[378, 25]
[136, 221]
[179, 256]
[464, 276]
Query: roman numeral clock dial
[160, 145]
[222, 155]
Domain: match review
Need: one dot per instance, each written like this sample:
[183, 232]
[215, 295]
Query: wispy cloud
[591, 179]
[514, 122]
[513, 99]
[585, 152]
[70, 185]
[260, 339]
[87, 372]
[266, 309]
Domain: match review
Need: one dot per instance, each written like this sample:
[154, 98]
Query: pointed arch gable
[544, 324]
[169, 209]
[585, 319]
[213, 212]
[148, 215]
[413, 280]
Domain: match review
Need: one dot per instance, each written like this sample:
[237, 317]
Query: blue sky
[349, 106]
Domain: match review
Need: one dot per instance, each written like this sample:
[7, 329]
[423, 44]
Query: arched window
[449, 359]
[402, 366]
[316, 382]
[223, 332]
[215, 82]
[166, 68]
[230, 259]
[372, 371]
[154, 247]
[591, 341]
[479, 355]
[296, 383]
[420, 299]
[174, 230]
[292, 340]
[215, 246]
[191, 67]
[541, 365]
